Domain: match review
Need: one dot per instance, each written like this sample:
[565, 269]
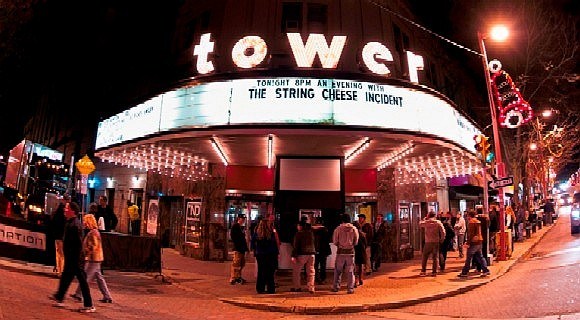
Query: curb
[321, 310]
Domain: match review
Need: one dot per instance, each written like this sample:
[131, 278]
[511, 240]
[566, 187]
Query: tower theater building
[292, 109]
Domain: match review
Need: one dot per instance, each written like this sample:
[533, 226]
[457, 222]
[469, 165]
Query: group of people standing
[359, 248]
[79, 251]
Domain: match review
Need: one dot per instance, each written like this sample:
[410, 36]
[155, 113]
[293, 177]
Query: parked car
[575, 215]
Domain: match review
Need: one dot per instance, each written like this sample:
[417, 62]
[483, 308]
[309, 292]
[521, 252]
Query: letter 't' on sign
[373, 51]
[316, 44]
[254, 44]
[415, 63]
[202, 50]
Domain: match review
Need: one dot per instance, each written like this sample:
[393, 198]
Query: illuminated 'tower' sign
[250, 51]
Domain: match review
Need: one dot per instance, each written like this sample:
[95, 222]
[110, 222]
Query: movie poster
[152, 216]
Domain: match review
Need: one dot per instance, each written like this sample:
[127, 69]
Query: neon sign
[513, 109]
[251, 51]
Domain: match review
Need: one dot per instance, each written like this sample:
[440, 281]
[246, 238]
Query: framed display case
[193, 223]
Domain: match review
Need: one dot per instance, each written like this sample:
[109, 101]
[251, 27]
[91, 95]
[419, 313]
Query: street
[543, 284]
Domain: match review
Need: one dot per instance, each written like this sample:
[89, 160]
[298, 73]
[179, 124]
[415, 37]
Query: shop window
[291, 17]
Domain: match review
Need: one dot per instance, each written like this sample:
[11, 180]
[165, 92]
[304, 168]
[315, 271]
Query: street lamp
[498, 33]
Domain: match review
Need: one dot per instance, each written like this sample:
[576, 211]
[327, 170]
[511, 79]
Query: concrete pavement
[395, 285]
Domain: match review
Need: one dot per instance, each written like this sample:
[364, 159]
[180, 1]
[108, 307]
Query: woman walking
[93, 250]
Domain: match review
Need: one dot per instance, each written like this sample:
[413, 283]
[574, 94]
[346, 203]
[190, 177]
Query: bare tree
[544, 69]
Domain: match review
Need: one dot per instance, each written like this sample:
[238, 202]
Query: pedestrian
[520, 220]
[107, 213]
[73, 260]
[93, 251]
[322, 247]
[303, 252]
[57, 223]
[344, 237]
[434, 236]
[460, 228]
[240, 248]
[134, 218]
[265, 245]
[360, 256]
[549, 211]
[367, 228]
[493, 229]
[474, 243]
[379, 235]
[447, 244]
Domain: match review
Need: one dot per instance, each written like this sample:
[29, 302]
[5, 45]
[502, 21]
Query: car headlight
[575, 213]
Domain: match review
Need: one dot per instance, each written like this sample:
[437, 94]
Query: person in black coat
[57, 222]
[74, 259]
[106, 212]
[265, 247]
[446, 245]
[360, 255]
[322, 247]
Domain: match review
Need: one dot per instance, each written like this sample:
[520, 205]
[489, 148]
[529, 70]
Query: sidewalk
[395, 285]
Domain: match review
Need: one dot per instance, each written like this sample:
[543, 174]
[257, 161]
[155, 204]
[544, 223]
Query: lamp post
[497, 146]
[85, 166]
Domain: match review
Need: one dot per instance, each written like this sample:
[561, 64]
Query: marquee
[288, 101]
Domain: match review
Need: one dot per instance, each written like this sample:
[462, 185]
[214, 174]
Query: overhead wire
[381, 6]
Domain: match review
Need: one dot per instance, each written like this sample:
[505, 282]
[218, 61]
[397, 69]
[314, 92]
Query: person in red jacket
[474, 243]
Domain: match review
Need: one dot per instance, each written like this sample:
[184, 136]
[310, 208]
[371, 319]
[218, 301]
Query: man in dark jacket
[322, 246]
[74, 260]
[240, 248]
[106, 212]
[379, 235]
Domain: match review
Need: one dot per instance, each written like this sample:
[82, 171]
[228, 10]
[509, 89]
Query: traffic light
[489, 157]
[482, 146]
[485, 147]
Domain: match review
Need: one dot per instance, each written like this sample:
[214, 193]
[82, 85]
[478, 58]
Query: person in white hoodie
[345, 237]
